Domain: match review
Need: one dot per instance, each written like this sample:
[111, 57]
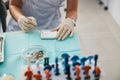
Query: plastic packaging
[37, 52]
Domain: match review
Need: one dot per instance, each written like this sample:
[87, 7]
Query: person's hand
[27, 23]
[65, 29]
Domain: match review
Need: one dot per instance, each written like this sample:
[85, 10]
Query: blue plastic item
[95, 59]
[48, 67]
[74, 59]
[90, 58]
[65, 55]
[56, 60]
[56, 68]
[83, 61]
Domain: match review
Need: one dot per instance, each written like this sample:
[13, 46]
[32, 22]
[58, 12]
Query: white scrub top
[47, 13]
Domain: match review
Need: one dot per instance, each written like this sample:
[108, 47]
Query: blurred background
[98, 26]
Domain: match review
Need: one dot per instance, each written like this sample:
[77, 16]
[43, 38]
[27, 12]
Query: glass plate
[37, 52]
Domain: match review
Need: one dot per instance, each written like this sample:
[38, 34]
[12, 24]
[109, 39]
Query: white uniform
[47, 13]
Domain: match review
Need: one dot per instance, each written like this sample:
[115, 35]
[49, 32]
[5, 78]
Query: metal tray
[1, 49]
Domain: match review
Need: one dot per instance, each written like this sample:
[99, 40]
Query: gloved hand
[27, 23]
[65, 29]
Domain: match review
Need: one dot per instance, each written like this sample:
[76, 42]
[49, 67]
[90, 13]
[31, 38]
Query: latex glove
[65, 29]
[27, 23]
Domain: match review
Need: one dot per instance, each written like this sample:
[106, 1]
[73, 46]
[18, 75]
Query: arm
[67, 27]
[15, 9]
[72, 6]
[25, 23]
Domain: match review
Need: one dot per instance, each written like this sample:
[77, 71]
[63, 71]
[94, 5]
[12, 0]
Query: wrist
[21, 17]
[71, 21]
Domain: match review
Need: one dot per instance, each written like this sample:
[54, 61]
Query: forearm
[72, 9]
[15, 9]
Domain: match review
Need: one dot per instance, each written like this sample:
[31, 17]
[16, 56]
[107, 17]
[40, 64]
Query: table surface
[15, 42]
